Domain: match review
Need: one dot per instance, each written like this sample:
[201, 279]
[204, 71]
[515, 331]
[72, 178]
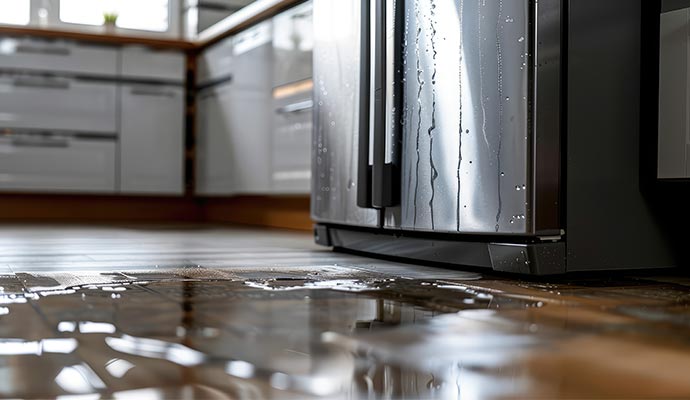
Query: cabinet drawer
[57, 163]
[52, 56]
[28, 102]
[142, 63]
[215, 63]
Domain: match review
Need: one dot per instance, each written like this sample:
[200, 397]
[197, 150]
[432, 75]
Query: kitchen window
[15, 12]
[147, 15]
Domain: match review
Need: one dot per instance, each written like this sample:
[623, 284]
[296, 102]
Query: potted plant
[109, 21]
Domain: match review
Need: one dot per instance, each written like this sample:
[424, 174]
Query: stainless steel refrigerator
[502, 134]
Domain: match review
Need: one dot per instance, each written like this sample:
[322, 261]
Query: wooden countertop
[249, 15]
[98, 37]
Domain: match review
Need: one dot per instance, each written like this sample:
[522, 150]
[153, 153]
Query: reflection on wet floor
[339, 332]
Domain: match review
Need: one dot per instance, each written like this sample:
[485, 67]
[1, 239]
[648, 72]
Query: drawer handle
[296, 107]
[156, 93]
[53, 51]
[52, 143]
[42, 83]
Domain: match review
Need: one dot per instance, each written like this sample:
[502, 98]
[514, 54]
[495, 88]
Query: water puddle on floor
[337, 332]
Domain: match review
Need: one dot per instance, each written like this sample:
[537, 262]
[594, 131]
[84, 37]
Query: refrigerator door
[335, 142]
[465, 120]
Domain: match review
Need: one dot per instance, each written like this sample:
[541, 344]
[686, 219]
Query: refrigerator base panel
[547, 258]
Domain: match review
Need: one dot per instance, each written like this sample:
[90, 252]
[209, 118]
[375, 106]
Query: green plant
[110, 18]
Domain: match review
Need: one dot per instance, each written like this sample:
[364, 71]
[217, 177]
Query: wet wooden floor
[206, 312]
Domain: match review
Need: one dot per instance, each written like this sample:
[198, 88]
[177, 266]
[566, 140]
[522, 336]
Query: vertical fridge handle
[387, 23]
[364, 170]
[378, 184]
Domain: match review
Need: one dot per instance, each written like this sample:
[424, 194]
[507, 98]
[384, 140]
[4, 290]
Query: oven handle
[364, 169]
[294, 108]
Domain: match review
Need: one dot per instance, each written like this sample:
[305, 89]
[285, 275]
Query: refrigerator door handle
[386, 185]
[364, 169]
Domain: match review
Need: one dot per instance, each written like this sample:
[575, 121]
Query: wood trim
[275, 212]
[84, 208]
[266, 211]
[97, 37]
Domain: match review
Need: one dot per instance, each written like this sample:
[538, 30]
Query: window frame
[53, 21]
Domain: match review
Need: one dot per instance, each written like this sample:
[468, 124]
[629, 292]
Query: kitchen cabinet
[234, 123]
[142, 63]
[57, 56]
[215, 174]
[293, 45]
[94, 119]
[57, 104]
[215, 64]
[250, 129]
[152, 139]
[57, 163]
[291, 144]
[253, 58]
[233, 142]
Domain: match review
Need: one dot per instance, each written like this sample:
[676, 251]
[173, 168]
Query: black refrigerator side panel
[609, 223]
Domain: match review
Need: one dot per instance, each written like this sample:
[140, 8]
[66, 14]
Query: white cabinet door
[215, 63]
[233, 142]
[152, 139]
[253, 58]
[291, 148]
[250, 130]
[214, 148]
[57, 104]
[144, 63]
[293, 44]
[57, 163]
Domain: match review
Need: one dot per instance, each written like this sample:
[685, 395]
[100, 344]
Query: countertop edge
[98, 37]
[249, 15]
